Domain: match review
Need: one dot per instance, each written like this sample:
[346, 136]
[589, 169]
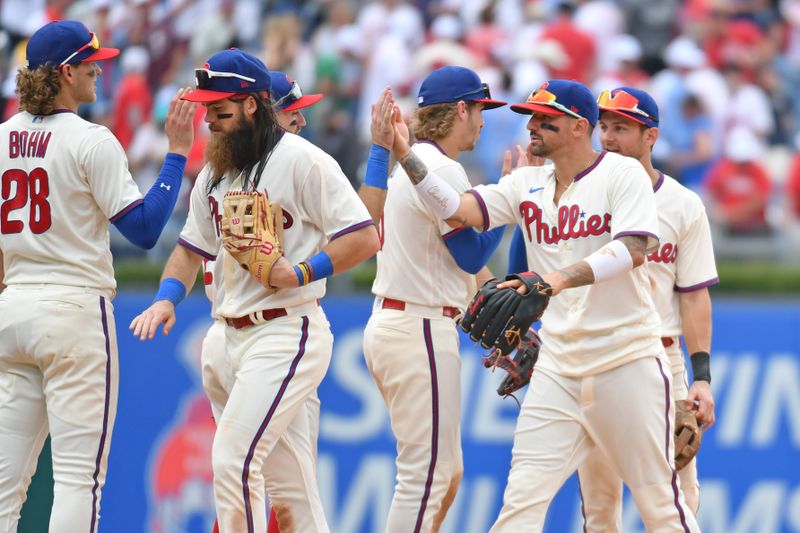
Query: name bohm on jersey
[28, 143]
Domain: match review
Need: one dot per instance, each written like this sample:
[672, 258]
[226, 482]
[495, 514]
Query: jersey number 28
[34, 185]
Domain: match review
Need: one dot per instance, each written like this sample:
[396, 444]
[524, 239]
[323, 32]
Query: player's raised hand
[381, 126]
[180, 123]
[146, 324]
[700, 396]
[400, 145]
[508, 160]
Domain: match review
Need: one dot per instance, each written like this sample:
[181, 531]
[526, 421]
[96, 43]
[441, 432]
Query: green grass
[735, 277]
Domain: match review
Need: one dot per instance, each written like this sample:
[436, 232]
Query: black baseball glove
[520, 368]
[497, 318]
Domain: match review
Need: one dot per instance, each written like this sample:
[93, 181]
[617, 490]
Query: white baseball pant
[278, 366]
[218, 380]
[601, 487]
[414, 358]
[58, 372]
[627, 413]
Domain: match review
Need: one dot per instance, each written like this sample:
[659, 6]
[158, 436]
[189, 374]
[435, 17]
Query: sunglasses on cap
[94, 44]
[203, 77]
[621, 101]
[482, 92]
[545, 97]
[293, 95]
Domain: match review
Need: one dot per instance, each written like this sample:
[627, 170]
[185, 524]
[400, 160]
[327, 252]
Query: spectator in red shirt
[578, 45]
[738, 187]
[133, 101]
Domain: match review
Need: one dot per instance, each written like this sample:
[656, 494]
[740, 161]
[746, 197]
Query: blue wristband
[171, 289]
[377, 167]
[316, 268]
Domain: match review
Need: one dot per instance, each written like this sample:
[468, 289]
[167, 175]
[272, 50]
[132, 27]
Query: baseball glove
[520, 368]
[688, 434]
[252, 232]
[497, 317]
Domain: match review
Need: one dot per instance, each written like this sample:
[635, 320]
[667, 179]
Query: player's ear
[250, 106]
[651, 135]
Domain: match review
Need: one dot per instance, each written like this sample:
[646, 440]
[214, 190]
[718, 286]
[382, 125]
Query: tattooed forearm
[637, 247]
[414, 167]
[577, 275]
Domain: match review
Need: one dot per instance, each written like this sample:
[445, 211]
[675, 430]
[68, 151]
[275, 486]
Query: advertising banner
[160, 469]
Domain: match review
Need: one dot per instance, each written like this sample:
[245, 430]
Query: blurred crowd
[724, 72]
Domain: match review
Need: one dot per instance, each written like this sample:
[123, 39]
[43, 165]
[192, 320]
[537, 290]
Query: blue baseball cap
[631, 103]
[452, 84]
[286, 94]
[227, 74]
[65, 42]
[561, 97]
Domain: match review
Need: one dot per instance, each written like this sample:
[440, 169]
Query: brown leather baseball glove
[252, 232]
[688, 434]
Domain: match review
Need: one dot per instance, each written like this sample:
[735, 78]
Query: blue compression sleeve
[470, 249]
[517, 258]
[142, 225]
[377, 167]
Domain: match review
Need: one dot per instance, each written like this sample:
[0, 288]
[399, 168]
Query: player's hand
[700, 396]
[400, 146]
[381, 126]
[146, 324]
[554, 279]
[282, 275]
[180, 124]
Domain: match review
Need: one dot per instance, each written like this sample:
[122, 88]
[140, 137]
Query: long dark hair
[266, 137]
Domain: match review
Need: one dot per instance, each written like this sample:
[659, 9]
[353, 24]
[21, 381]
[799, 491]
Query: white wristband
[610, 261]
[438, 195]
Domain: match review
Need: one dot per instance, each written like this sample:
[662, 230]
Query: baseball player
[423, 280]
[681, 271]
[63, 181]
[287, 101]
[277, 337]
[601, 380]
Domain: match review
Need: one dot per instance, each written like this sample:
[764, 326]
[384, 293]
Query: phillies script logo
[573, 223]
[666, 254]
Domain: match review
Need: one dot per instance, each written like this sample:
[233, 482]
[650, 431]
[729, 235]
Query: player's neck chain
[566, 186]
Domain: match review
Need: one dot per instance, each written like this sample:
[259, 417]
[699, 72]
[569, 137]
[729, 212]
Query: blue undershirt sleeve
[143, 224]
[517, 258]
[472, 250]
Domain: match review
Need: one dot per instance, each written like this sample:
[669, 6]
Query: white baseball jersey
[594, 328]
[684, 260]
[212, 282]
[414, 264]
[319, 205]
[63, 180]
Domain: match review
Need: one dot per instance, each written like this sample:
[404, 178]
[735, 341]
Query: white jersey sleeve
[330, 201]
[500, 202]
[201, 231]
[695, 267]
[633, 204]
[106, 169]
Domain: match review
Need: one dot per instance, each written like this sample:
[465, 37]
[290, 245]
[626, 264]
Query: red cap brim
[101, 54]
[528, 109]
[304, 101]
[205, 95]
[490, 104]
